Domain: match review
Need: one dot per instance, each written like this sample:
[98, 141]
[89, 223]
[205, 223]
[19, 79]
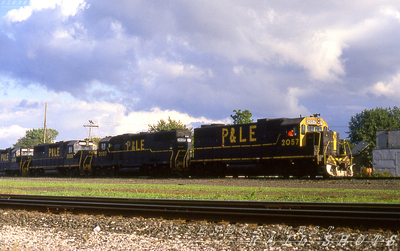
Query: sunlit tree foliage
[241, 117]
[163, 125]
[35, 137]
[363, 127]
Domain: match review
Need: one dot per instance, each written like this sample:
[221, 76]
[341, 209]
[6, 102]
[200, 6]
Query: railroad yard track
[377, 215]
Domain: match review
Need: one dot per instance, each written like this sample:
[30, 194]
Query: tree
[242, 117]
[35, 137]
[363, 127]
[163, 125]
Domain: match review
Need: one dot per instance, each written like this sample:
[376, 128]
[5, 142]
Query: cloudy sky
[129, 63]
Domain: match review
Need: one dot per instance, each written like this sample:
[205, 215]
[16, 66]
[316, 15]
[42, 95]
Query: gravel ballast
[22, 230]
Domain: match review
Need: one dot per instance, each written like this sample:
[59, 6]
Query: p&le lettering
[54, 152]
[233, 136]
[135, 145]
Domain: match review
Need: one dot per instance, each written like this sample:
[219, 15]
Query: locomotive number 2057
[290, 142]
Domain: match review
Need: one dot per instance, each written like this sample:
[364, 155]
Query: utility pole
[45, 118]
[90, 128]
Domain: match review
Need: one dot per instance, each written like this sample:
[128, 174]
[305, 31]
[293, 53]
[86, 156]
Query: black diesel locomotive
[12, 159]
[287, 146]
[67, 158]
[156, 154]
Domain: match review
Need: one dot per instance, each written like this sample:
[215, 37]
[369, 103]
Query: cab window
[292, 131]
[303, 129]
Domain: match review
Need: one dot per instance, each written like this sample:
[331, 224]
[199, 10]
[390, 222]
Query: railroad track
[367, 215]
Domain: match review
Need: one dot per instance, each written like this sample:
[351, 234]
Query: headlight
[181, 140]
[189, 140]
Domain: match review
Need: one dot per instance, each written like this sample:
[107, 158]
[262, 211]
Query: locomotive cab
[331, 155]
[19, 157]
[83, 152]
[310, 136]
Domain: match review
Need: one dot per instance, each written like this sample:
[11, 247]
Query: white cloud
[10, 134]
[139, 121]
[238, 69]
[68, 117]
[18, 15]
[163, 67]
[294, 109]
[390, 89]
[68, 8]
[391, 12]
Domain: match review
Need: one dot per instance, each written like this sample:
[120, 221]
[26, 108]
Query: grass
[203, 192]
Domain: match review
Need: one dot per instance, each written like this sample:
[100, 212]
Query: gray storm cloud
[206, 58]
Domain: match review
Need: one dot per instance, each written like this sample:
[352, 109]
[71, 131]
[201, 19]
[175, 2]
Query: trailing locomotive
[12, 159]
[286, 146]
[67, 158]
[156, 154]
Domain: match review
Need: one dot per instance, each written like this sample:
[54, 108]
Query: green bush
[380, 174]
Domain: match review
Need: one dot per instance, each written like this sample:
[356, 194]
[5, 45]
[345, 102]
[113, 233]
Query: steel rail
[377, 215]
